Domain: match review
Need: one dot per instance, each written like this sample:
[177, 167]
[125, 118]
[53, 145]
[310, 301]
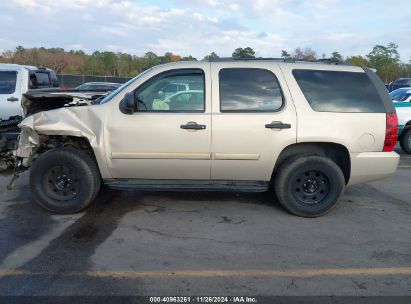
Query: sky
[198, 27]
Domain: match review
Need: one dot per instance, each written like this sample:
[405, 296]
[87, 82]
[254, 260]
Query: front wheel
[64, 180]
[405, 141]
[309, 185]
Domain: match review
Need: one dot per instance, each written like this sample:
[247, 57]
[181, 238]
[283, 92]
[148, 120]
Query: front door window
[175, 91]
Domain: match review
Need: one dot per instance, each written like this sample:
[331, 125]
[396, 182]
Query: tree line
[384, 58]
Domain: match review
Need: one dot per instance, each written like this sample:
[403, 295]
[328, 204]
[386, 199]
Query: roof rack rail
[292, 60]
[244, 59]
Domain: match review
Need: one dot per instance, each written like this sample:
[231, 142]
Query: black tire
[405, 140]
[309, 185]
[64, 180]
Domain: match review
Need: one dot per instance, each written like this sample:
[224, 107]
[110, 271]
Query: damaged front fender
[81, 122]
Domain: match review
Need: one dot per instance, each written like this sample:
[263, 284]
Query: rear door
[10, 93]
[253, 120]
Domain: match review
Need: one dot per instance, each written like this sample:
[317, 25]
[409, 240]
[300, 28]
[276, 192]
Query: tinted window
[403, 97]
[249, 90]
[333, 91]
[160, 92]
[171, 88]
[43, 79]
[402, 81]
[181, 88]
[400, 94]
[103, 87]
[53, 76]
[82, 87]
[8, 82]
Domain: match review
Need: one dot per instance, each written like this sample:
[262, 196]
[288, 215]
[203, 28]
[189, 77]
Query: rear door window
[249, 90]
[8, 80]
[335, 91]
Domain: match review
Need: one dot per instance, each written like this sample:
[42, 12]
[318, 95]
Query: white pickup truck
[16, 80]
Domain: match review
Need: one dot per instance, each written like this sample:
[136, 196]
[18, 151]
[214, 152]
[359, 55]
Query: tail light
[391, 132]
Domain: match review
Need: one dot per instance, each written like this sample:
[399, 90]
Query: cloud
[199, 27]
[76, 46]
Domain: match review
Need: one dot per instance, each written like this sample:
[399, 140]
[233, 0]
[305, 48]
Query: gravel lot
[134, 243]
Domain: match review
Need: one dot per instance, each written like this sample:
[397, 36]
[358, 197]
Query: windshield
[400, 94]
[120, 89]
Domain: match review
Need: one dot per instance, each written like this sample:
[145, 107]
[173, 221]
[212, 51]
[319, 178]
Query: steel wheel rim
[62, 182]
[311, 187]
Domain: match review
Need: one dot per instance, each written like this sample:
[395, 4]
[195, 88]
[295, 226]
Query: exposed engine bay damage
[35, 101]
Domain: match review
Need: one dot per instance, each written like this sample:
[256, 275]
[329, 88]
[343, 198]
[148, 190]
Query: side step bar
[187, 185]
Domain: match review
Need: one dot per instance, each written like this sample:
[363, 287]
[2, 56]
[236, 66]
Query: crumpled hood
[35, 101]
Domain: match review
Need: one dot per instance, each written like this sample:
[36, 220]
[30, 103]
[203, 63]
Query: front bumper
[372, 166]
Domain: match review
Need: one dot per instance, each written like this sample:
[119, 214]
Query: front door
[10, 94]
[169, 135]
[253, 120]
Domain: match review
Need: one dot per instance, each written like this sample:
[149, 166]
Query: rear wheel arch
[336, 152]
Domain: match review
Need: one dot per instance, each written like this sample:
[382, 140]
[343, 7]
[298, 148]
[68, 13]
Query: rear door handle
[278, 125]
[192, 126]
[12, 99]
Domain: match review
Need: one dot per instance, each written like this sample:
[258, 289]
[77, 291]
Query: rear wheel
[64, 180]
[309, 185]
[405, 140]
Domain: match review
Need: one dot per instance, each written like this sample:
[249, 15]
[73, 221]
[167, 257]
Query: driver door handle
[278, 125]
[12, 99]
[192, 125]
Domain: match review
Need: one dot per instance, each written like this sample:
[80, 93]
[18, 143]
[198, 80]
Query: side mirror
[127, 104]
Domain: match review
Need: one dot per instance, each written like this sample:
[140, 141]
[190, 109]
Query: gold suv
[303, 130]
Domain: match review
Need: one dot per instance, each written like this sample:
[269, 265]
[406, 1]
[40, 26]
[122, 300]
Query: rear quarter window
[335, 91]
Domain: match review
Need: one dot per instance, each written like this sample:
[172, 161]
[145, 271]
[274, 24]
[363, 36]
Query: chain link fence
[72, 81]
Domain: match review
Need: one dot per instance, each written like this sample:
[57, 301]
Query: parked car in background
[399, 83]
[98, 87]
[401, 95]
[170, 89]
[255, 124]
[404, 125]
